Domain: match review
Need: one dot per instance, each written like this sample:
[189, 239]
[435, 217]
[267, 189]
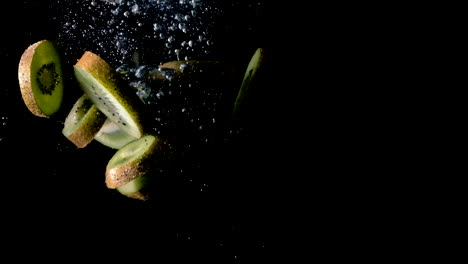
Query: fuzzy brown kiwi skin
[109, 77]
[144, 196]
[83, 136]
[121, 175]
[24, 72]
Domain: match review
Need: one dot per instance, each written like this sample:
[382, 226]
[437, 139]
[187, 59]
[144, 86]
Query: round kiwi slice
[249, 81]
[133, 160]
[111, 135]
[107, 90]
[41, 79]
[83, 122]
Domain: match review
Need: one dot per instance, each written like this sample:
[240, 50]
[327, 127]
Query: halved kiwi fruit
[134, 160]
[41, 79]
[83, 122]
[249, 81]
[111, 135]
[107, 90]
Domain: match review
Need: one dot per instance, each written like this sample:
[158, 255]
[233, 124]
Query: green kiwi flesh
[136, 188]
[83, 122]
[111, 135]
[133, 160]
[41, 78]
[106, 89]
[249, 81]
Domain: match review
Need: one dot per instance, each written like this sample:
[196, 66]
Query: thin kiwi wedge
[108, 91]
[135, 159]
[187, 66]
[83, 122]
[41, 79]
[249, 81]
[111, 135]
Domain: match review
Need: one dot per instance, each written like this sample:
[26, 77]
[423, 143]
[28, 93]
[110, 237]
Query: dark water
[217, 205]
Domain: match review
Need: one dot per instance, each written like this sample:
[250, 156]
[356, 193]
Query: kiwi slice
[107, 90]
[137, 188]
[133, 160]
[191, 65]
[83, 122]
[249, 81]
[41, 79]
[111, 135]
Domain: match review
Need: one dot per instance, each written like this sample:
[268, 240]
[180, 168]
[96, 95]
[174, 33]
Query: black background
[227, 211]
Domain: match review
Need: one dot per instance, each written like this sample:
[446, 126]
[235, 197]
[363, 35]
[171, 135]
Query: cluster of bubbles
[135, 36]
[3, 122]
[188, 104]
[139, 31]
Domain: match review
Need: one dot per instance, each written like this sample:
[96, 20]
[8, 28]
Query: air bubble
[183, 67]
[135, 9]
[116, 11]
[160, 94]
[141, 71]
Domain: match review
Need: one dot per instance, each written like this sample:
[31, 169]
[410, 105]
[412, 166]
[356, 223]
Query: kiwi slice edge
[249, 81]
[137, 188]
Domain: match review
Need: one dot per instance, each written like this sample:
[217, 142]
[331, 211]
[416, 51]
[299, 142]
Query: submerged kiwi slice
[137, 188]
[107, 90]
[134, 160]
[111, 135]
[187, 66]
[40, 78]
[249, 81]
[83, 122]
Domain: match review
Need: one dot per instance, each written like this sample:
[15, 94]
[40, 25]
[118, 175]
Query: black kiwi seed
[47, 78]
